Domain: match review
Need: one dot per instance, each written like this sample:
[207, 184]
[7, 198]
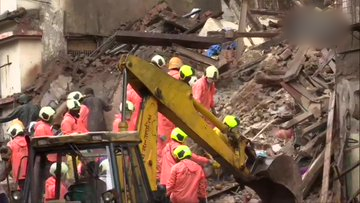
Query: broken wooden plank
[202, 22]
[273, 42]
[181, 23]
[297, 119]
[234, 35]
[194, 55]
[254, 22]
[266, 12]
[325, 60]
[240, 48]
[245, 67]
[161, 39]
[328, 150]
[296, 64]
[312, 173]
[303, 91]
[308, 149]
[314, 127]
[299, 98]
[216, 193]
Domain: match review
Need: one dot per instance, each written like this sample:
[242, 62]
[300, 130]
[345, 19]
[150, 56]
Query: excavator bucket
[277, 180]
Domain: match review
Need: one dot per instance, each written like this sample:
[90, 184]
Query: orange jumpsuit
[19, 157]
[83, 119]
[187, 182]
[135, 98]
[43, 129]
[50, 185]
[204, 93]
[168, 160]
[71, 125]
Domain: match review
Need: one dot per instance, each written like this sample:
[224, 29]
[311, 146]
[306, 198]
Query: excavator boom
[174, 100]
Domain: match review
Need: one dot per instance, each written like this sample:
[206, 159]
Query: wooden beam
[266, 12]
[7, 100]
[328, 150]
[161, 39]
[194, 55]
[240, 48]
[312, 173]
[297, 119]
[254, 22]
[243, 34]
[202, 22]
[313, 127]
[295, 65]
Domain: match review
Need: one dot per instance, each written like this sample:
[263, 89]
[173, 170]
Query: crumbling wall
[101, 17]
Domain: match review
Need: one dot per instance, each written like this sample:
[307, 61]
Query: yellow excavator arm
[173, 98]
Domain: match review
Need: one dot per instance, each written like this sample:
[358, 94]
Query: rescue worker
[26, 112]
[129, 110]
[232, 122]
[96, 106]
[165, 126]
[50, 183]
[187, 182]
[175, 64]
[105, 174]
[43, 127]
[84, 111]
[19, 153]
[158, 60]
[187, 74]
[178, 137]
[71, 123]
[204, 89]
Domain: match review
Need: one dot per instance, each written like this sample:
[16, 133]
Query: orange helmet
[175, 62]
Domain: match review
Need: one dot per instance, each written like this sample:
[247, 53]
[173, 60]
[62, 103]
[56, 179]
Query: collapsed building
[294, 99]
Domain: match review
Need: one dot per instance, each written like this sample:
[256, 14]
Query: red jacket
[203, 93]
[43, 129]
[19, 157]
[116, 122]
[168, 160]
[187, 182]
[135, 98]
[83, 119]
[50, 185]
[71, 125]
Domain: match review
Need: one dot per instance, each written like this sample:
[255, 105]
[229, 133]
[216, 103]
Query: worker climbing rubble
[84, 111]
[187, 181]
[26, 112]
[17, 153]
[204, 89]
[178, 137]
[129, 110]
[50, 183]
[96, 106]
[71, 122]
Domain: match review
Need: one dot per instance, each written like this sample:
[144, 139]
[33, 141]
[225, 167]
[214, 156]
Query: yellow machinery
[274, 180]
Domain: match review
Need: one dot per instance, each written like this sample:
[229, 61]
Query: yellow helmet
[182, 152]
[158, 60]
[75, 95]
[231, 121]
[212, 72]
[16, 129]
[178, 135]
[46, 113]
[175, 62]
[73, 104]
[63, 171]
[129, 106]
[186, 71]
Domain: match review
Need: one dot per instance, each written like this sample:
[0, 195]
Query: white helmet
[104, 166]
[192, 80]
[212, 72]
[63, 171]
[46, 113]
[73, 104]
[75, 95]
[129, 106]
[158, 60]
[15, 130]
